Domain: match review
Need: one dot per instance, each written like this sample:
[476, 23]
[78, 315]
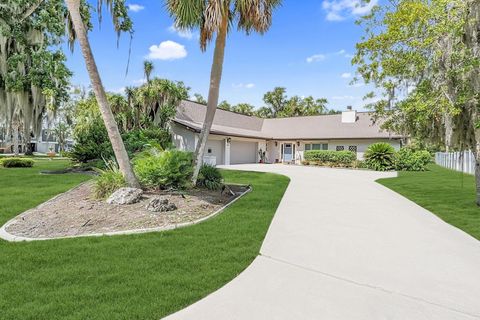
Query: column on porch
[226, 154]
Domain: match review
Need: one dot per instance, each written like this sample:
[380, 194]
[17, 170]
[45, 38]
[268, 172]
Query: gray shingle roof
[191, 114]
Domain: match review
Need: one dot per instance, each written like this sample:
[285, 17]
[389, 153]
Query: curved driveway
[344, 247]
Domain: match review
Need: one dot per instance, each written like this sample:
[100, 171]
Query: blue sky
[307, 50]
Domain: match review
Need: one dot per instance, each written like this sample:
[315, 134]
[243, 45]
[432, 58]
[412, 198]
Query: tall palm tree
[214, 17]
[148, 68]
[112, 128]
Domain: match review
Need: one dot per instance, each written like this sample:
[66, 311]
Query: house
[237, 138]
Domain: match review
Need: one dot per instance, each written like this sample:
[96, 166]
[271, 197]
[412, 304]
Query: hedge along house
[238, 139]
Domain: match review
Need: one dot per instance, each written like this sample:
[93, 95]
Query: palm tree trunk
[112, 128]
[213, 93]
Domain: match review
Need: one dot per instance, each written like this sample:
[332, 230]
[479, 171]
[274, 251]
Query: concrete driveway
[344, 247]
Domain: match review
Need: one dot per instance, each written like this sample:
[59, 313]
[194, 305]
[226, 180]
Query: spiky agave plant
[380, 157]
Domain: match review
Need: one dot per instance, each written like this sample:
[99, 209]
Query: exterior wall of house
[215, 148]
[183, 139]
[361, 145]
[221, 149]
[275, 152]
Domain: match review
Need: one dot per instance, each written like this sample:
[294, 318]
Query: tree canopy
[34, 80]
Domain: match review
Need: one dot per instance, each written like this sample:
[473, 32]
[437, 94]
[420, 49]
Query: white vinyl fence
[459, 161]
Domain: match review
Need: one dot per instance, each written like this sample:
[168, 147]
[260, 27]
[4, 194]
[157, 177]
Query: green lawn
[448, 194]
[126, 277]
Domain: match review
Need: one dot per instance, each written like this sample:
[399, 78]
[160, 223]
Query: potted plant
[51, 153]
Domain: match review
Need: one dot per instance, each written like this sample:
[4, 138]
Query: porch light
[229, 140]
[298, 143]
[276, 144]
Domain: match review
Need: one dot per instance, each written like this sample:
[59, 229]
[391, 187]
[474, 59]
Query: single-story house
[237, 139]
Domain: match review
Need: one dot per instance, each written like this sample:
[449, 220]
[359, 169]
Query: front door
[288, 152]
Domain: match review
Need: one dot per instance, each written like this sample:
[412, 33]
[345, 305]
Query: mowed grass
[126, 277]
[447, 193]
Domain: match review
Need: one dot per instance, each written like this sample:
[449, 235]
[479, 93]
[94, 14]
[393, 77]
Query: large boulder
[125, 196]
[161, 204]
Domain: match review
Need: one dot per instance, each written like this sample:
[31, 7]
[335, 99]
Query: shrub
[380, 157]
[93, 142]
[16, 163]
[410, 160]
[109, 180]
[209, 177]
[139, 140]
[331, 158]
[358, 164]
[164, 169]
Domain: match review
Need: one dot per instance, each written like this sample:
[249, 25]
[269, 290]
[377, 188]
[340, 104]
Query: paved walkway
[343, 247]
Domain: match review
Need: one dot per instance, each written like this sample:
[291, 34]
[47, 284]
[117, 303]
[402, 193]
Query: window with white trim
[352, 149]
[340, 148]
[316, 146]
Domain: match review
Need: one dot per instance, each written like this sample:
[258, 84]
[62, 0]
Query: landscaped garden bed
[77, 213]
[141, 276]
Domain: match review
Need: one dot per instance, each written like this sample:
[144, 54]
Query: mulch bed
[76, 212]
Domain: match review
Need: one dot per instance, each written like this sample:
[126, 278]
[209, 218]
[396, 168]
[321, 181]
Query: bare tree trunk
[213, 93]
[112, 128]
[27, 139]
[472, 39]
[15, 137]
[476, 153]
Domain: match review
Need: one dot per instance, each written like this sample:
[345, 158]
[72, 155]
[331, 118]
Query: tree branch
[31, 10]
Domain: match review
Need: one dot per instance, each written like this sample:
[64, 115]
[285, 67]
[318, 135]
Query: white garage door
[243, 152]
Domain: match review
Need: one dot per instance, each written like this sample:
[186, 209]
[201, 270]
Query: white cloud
[183, 33]
[316, 58]
[167, 50]
[346, 75]
[139, 82]
[345, 54]
[338, 10]
[243, 85]
[323, 56]
[135, 7]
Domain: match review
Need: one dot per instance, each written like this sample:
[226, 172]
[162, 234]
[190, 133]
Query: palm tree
[112, 128]
[148, 68]
[214, 17]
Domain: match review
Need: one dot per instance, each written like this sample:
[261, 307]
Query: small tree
[148, 68]
[424, 56]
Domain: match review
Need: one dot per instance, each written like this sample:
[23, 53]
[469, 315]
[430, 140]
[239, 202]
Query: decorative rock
[125, 196]
[161, 205]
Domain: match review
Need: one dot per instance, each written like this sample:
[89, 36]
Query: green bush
[16, 162]
[95, 144]
[359, 164]
[330, 158]
[164, 169]
[141, 139]
[91, 140]
[209, 177]
[411, 160]
[109, 180]
[380, 157]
